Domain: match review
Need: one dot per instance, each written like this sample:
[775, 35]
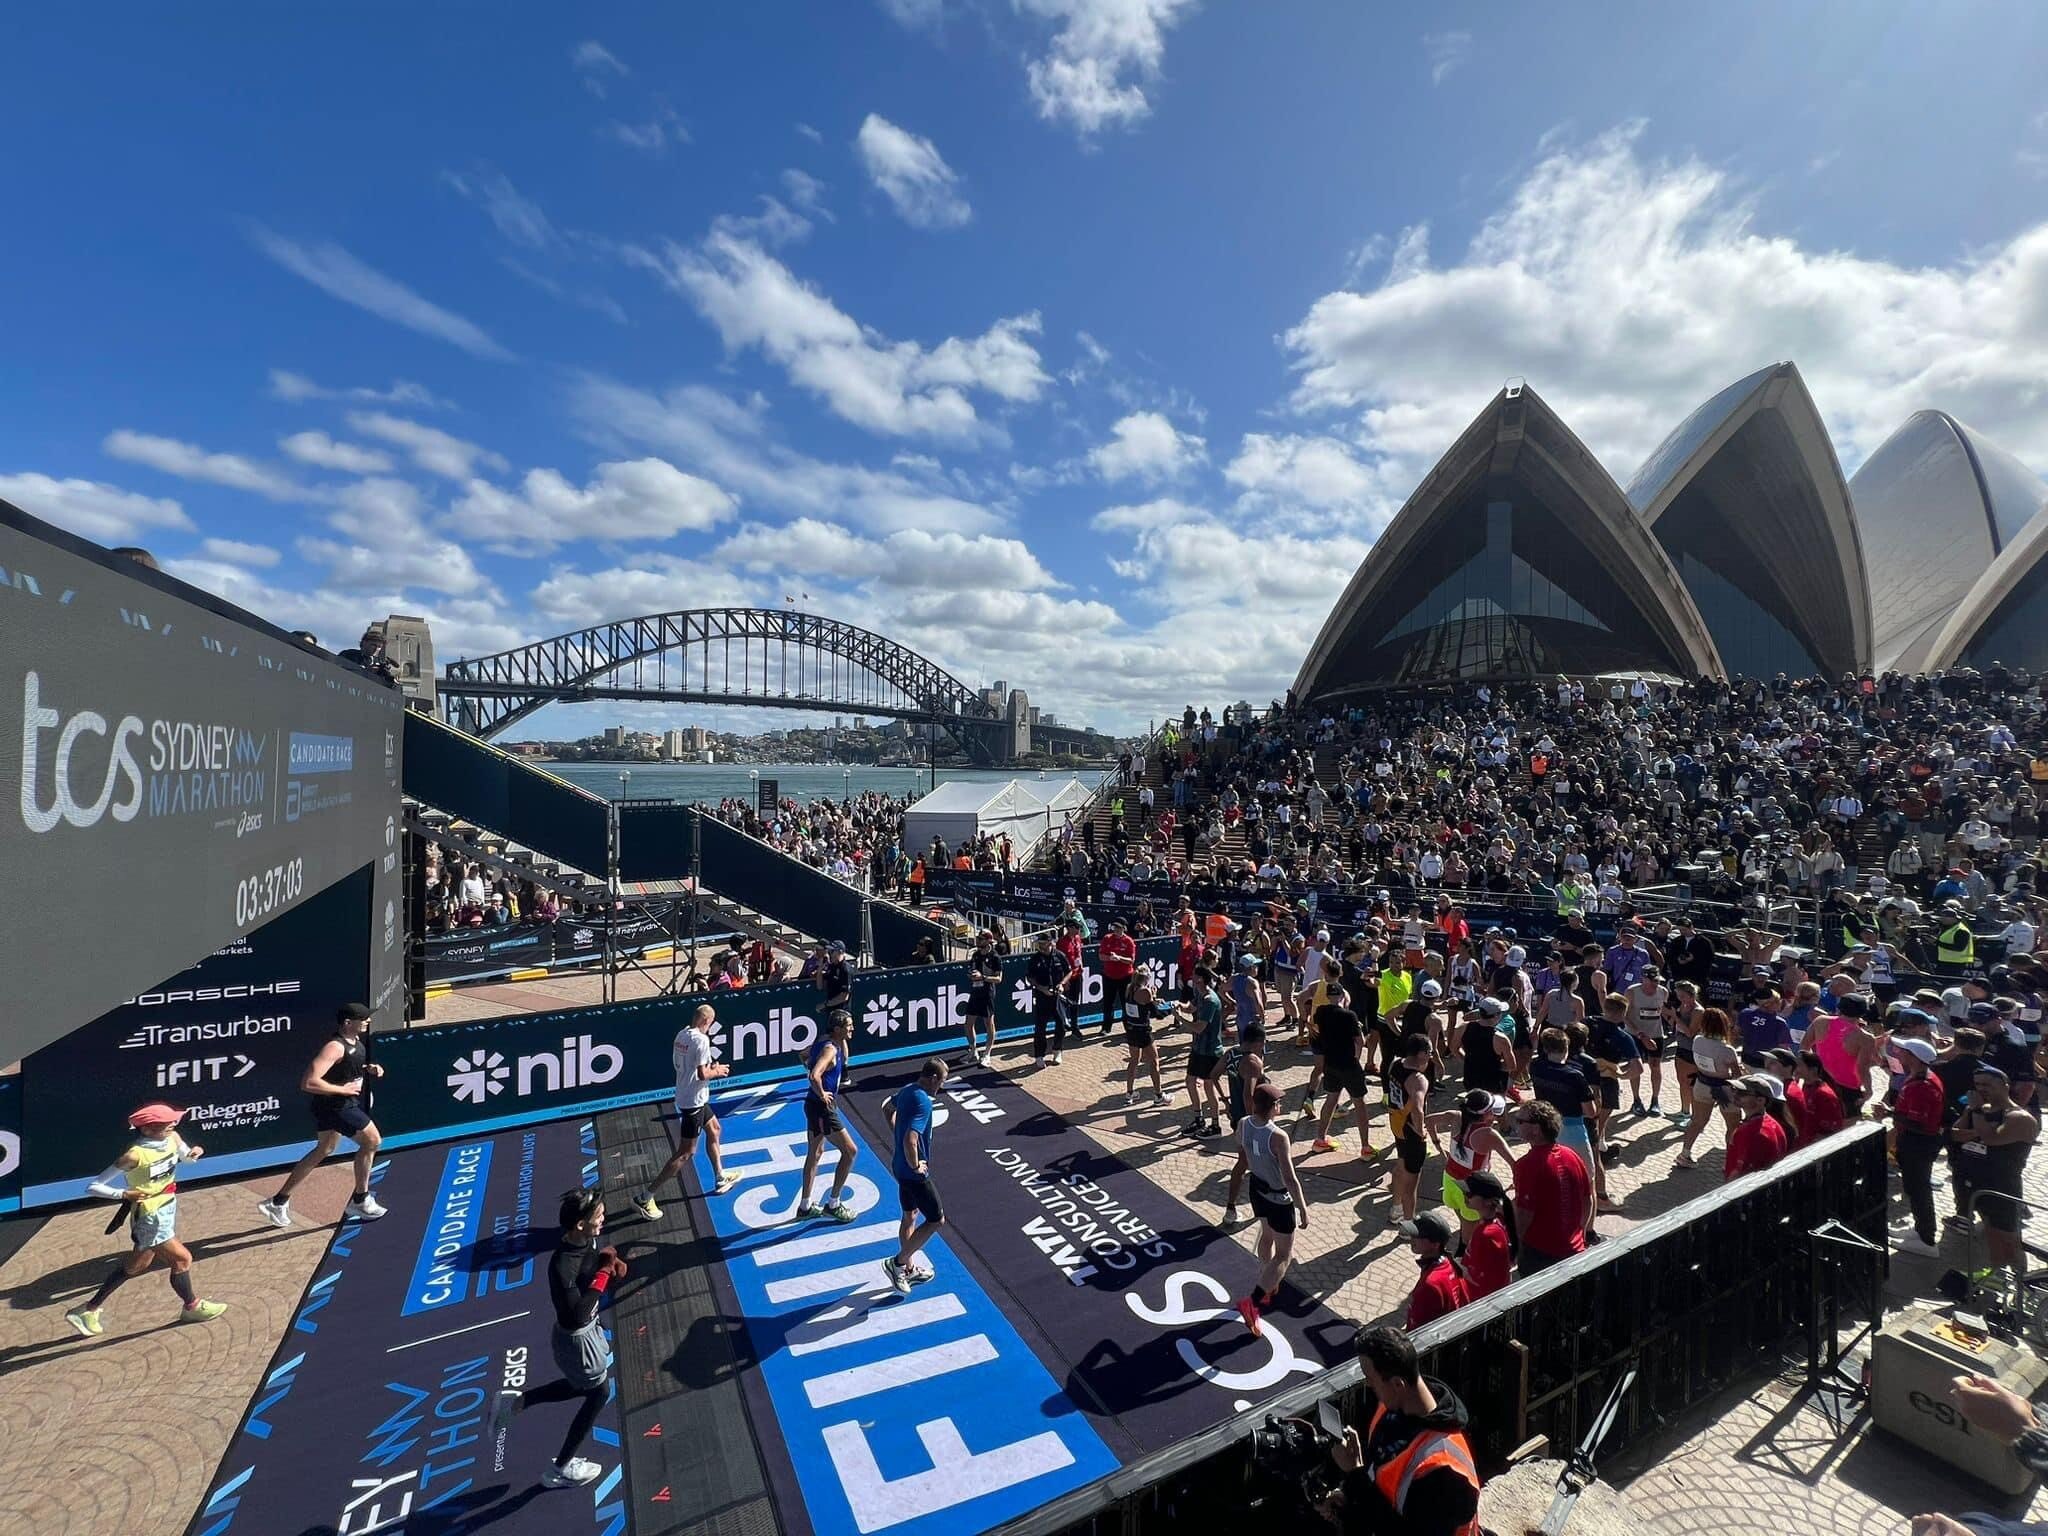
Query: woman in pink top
[1847, 1051]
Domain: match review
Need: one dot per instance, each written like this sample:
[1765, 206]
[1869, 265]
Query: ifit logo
[580, 1063]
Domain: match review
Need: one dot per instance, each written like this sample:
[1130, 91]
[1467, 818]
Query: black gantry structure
[776, 657]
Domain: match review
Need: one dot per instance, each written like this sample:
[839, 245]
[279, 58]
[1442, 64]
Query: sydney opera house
[1738, 549]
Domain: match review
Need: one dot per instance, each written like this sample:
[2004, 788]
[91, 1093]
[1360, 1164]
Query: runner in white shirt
[697, 1067]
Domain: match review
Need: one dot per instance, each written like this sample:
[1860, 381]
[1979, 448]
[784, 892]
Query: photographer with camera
[1411, 1473]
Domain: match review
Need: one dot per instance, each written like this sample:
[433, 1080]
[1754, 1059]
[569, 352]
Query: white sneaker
[365, 1209]
[1054, 1058]
[729, 1182]
[573, 1473]
[899, 1277]
[1911, 1243]
[275, 1212]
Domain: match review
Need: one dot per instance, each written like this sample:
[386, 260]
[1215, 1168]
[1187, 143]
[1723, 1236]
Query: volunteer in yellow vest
[1954, 943]
[145, 1180]
[1571, 896]
[1413, 1470]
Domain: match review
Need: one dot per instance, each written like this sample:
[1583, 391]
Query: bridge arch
[782, 658]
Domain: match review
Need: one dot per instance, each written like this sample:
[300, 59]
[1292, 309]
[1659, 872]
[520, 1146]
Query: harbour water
[701, 782]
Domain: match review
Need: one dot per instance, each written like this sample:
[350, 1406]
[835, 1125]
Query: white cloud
[1147, 445]
[1147, 516]
[388, 544]
[916, 13]
[910, 558]
[1627, 291]
[324, 452]
[188, 462]
[1101, 58]
[235, 552]
[92, 509]
[435, 451]
[807, 193]
[519, 218]
[909, 170]
[653, 135]
[596, 66]
[1317, 474]
[728, 442]
[652, 584]
[896, 388]
[642, 499]
[464, 626]
[337, 273]
[810, 133]
[1446, 51]
[295, 387]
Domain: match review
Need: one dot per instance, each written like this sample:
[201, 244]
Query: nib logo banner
[537, 1066]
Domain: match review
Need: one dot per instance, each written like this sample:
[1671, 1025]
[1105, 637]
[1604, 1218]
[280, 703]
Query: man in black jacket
[1412, 1472]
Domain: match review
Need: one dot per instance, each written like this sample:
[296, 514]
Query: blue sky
[1085, 343]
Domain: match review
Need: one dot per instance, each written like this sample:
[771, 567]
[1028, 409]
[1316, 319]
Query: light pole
[845, 784]
[625, 777]
[753, 788]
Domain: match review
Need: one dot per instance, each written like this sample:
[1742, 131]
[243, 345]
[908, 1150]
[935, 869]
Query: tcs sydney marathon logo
[152, 769]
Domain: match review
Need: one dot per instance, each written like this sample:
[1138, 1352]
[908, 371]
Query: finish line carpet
[1077, 1318]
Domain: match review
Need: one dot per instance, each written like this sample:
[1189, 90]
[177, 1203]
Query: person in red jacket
[1490, 1251]
[1117, 954]
[1816, 1105]
[1440, 1288]
[1761, 1139]
[1918, 1110]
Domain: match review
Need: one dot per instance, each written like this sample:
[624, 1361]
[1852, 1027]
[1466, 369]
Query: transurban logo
[191, 766]
[483, 1074]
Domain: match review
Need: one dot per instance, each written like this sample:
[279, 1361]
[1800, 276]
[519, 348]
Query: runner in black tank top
[336, 1085]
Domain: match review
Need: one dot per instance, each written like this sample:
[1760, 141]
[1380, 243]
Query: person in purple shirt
[1625, 960]
[1763, 1027]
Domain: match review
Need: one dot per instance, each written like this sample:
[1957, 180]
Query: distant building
[674, 744]
[615, 736]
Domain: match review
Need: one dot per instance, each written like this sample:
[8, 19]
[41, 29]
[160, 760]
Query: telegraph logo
[580, 1063]
[883, 1015]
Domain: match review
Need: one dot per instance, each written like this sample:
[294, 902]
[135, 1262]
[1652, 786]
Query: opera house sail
[1748, 500]
[1517, 557]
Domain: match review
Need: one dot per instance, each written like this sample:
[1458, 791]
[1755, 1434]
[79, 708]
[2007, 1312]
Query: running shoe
[87, 1321]
[1368, 1150]
[1130, 1101]
[1230, 1216]
[1161, 1101]
[1322, 1144]
[276, 1212]
[573, 1473]
[1250, 1314]
[1308, 1108]
[726, 1184]
[364, 1209]
[201, 1311]
[1193, 1127]
[814, 1209]
[1211, 1128]
[919, 1274]
[898, 1277]
[840, 1212]
[1684, 1162]
[506, 1408]
[646, 1206]
[1054, 1058]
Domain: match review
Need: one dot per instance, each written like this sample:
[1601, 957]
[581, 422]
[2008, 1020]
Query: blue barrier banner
[367, 1422]
[10, 1143]
[925, 1415]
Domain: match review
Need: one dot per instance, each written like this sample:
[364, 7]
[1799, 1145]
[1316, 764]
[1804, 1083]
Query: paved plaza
[123, 1433]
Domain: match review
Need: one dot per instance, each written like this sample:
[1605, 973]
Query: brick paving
[121, 1434]
[90, 1445]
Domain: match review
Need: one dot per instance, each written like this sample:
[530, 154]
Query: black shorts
[1344, 1077]
[1610, 1092]
[981, 1003]
[2000, 1208]
[1414, 1151]
[1277, 1213]
[921, 1196]
[1137, 1034]
[820, 1118]
[690, 1123]
[1202, 1065]
[346, 1117]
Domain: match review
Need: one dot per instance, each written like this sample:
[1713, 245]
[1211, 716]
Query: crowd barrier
[235, 1060]
[1717, 1291]
[561, 943]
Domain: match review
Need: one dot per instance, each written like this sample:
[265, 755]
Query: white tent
[965, 808]
[1061, 796]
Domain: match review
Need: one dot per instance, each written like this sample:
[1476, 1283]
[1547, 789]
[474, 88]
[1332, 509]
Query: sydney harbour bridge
[765, 657]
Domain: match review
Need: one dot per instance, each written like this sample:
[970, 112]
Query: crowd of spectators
[462, 895]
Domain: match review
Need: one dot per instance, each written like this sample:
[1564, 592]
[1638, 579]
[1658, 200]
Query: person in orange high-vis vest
[1413, 1471]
